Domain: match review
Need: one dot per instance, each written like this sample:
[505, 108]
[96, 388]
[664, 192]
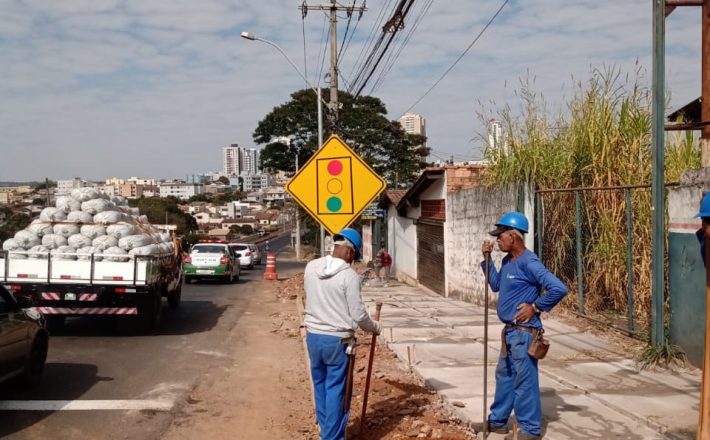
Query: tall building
[249, 158]
[495, 135]
[413, 124]
[231, 160]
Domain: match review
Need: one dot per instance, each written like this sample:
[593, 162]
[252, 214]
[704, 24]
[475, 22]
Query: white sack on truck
[104, 242]
[121, 230]
[85, 194]
[66, 230]
[95, 206]
[53, 241]
[119, 201]
[67, 204]
[39, 252]
[80, 217]
[26, 239]
[79, 241]
[40, 228]
[64, 253]
[116, 251]
[84, 253]
[134, 241]
[93, 231]
[52, 215]
[109, 217]
[11, 245]
[134, 212]
[151, 249]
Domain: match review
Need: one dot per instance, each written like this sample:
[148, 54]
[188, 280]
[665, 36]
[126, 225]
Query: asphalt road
[102, 382]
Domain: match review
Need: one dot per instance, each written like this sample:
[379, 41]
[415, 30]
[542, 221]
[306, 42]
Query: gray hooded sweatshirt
[333, 302]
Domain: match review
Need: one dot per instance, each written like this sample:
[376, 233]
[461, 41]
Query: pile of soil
[399, 406]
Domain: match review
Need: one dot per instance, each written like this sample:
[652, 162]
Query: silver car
[246, 256]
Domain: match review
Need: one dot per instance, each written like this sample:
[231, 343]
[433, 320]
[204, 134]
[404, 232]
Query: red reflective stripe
[22, 275]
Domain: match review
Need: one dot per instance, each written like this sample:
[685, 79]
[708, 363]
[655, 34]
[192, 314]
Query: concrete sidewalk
[590, 389]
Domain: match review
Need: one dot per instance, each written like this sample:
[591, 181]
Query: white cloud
[102, 88]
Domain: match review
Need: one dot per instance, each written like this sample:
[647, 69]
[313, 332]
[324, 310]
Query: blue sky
[155, 88]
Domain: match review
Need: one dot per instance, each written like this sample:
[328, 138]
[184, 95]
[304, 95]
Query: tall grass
[601, 138]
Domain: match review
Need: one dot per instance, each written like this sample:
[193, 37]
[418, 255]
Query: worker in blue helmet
[520, 281]
[334, 310]
[704, 214]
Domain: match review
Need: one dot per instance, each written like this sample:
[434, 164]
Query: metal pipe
[373, 345]
[485, 349]
[578, 242]
[675, 3]
[615, 327]
[657, 174]
[538, 223]
[629, 261]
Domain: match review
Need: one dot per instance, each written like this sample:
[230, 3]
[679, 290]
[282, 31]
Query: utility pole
[333, 9]
[705, 100]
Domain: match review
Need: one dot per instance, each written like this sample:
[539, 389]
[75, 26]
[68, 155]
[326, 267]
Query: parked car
[23, 341]
[211, 259]
[257, 255]
[246, 255]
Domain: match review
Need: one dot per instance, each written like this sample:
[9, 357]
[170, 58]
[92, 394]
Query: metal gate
[430, 255]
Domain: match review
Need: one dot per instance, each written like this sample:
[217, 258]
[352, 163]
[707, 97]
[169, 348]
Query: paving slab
[590, 388]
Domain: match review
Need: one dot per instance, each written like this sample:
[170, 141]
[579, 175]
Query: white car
[246, 255]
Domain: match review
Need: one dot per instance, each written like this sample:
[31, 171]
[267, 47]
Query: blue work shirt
[521, 281]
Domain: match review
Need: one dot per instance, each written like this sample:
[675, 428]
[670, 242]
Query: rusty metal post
[485, 348]
[705, 85]
[704, 416]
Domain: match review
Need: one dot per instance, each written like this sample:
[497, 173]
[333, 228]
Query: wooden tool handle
[378, 309]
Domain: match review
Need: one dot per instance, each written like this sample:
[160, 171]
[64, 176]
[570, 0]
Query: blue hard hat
[353, 237]
[704, 206]
[511, 220]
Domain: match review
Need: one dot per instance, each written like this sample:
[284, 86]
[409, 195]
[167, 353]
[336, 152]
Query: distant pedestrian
[520, 280]
[334, 310]
[383, 262]
[267, 247]
[704, 214]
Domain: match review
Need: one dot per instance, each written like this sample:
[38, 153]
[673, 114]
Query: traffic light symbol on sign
[335, 186]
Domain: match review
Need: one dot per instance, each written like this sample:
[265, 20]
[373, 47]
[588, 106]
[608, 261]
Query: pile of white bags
[86, 222]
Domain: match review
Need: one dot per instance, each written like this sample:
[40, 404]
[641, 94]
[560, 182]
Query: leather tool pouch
[539, 345]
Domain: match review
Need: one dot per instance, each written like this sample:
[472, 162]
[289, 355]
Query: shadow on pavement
[61, 381]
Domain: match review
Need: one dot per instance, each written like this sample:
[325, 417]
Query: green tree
[246, 229]
[362, 124]
[223, 180]
[158, 210]
[13, 223]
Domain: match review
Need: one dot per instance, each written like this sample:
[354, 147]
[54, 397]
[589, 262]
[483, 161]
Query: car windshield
[238, 247]
[208, 250]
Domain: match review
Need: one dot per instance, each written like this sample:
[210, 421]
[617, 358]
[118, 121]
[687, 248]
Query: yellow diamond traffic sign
[335, 185]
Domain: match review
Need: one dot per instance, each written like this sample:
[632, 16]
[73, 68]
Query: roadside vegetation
[601, 138]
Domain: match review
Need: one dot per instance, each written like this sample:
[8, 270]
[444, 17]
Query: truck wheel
[174, 297]
[151, 312]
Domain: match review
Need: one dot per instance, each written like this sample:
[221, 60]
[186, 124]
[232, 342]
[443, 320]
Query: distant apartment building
[65, 187]
[144, 182]
[131, 190]
[231, 160]
[413, 123]
[109, 190]
[496, 138]
[181, 190]
[249, 161]
[115, 181]
[10, 195]
[253, 182]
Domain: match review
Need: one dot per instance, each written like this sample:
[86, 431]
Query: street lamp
[252, 37]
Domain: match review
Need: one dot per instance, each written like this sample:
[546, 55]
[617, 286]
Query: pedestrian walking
[334, 310]
[383, 262]
[519, 282]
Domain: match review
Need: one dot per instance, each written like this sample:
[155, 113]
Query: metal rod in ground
[485, 347]
[373, 344]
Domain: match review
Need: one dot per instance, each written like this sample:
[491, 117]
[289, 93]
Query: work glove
[378, 328]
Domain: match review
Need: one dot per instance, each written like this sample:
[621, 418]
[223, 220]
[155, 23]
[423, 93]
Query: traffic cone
[270, 272]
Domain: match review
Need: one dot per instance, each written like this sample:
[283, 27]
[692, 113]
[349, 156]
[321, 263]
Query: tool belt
[538, 347]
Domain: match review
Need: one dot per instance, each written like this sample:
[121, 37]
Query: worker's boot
[478, 427]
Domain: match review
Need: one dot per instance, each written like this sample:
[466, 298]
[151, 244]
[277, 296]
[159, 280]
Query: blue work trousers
[329, 367]
[517, 386]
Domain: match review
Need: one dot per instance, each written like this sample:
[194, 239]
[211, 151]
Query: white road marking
[212, 353]
[85, 405]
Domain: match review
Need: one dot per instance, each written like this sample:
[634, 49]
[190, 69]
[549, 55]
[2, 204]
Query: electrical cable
[370, 39]
[505, 2]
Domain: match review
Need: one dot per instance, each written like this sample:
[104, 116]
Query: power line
[323, 42]
[303, 30]
[370, 39]
[461, 56]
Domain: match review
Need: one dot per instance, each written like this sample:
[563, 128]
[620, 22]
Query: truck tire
[175, 297]
[151, 312]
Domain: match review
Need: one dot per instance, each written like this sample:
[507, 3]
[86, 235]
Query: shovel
[485, 347]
